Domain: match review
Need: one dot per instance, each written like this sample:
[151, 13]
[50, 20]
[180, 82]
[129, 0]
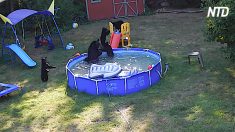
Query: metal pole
[137, 9]
[144, 4]
[125, 6]
[48, 30]
[22, 26]
[62, 41]
[16, 37]
[87, 10]
[114, 9]
[3, 39]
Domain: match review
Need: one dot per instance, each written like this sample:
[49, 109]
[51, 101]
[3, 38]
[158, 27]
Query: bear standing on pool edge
[45, 66]
[105, 45]
[93, 51]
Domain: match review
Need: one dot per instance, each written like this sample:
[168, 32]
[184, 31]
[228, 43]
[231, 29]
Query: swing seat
[44, 42]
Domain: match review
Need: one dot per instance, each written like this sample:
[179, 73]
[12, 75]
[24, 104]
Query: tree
[222, 29]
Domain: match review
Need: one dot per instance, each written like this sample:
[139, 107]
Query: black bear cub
[105, 45]
[117, 25]
[45, 66]
[93, 51]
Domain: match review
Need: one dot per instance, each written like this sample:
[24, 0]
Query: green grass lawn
[187, 99]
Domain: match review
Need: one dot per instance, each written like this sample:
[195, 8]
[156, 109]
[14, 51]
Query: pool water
[128, 60]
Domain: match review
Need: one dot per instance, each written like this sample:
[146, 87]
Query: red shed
[103, 9]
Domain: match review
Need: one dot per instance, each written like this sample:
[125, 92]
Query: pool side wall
[115, 86]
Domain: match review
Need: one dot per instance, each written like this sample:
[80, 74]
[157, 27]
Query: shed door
[124, 8]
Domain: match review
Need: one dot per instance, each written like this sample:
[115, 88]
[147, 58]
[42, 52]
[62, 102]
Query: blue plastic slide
[22, 55]
[7, 88]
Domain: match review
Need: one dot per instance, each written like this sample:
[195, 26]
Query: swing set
[16, 17]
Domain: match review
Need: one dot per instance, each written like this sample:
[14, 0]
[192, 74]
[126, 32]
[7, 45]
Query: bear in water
[93, 51]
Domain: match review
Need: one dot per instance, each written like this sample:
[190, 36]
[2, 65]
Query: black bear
[45, 66]
[105, 45]
[117, 25]
[93, 51]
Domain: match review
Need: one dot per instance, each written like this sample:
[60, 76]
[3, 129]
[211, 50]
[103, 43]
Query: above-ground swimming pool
[147, 63]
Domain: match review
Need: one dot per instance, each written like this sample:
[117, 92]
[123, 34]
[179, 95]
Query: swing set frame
[19, 15]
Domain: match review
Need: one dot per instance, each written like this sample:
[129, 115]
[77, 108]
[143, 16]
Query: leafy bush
[222, 29]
